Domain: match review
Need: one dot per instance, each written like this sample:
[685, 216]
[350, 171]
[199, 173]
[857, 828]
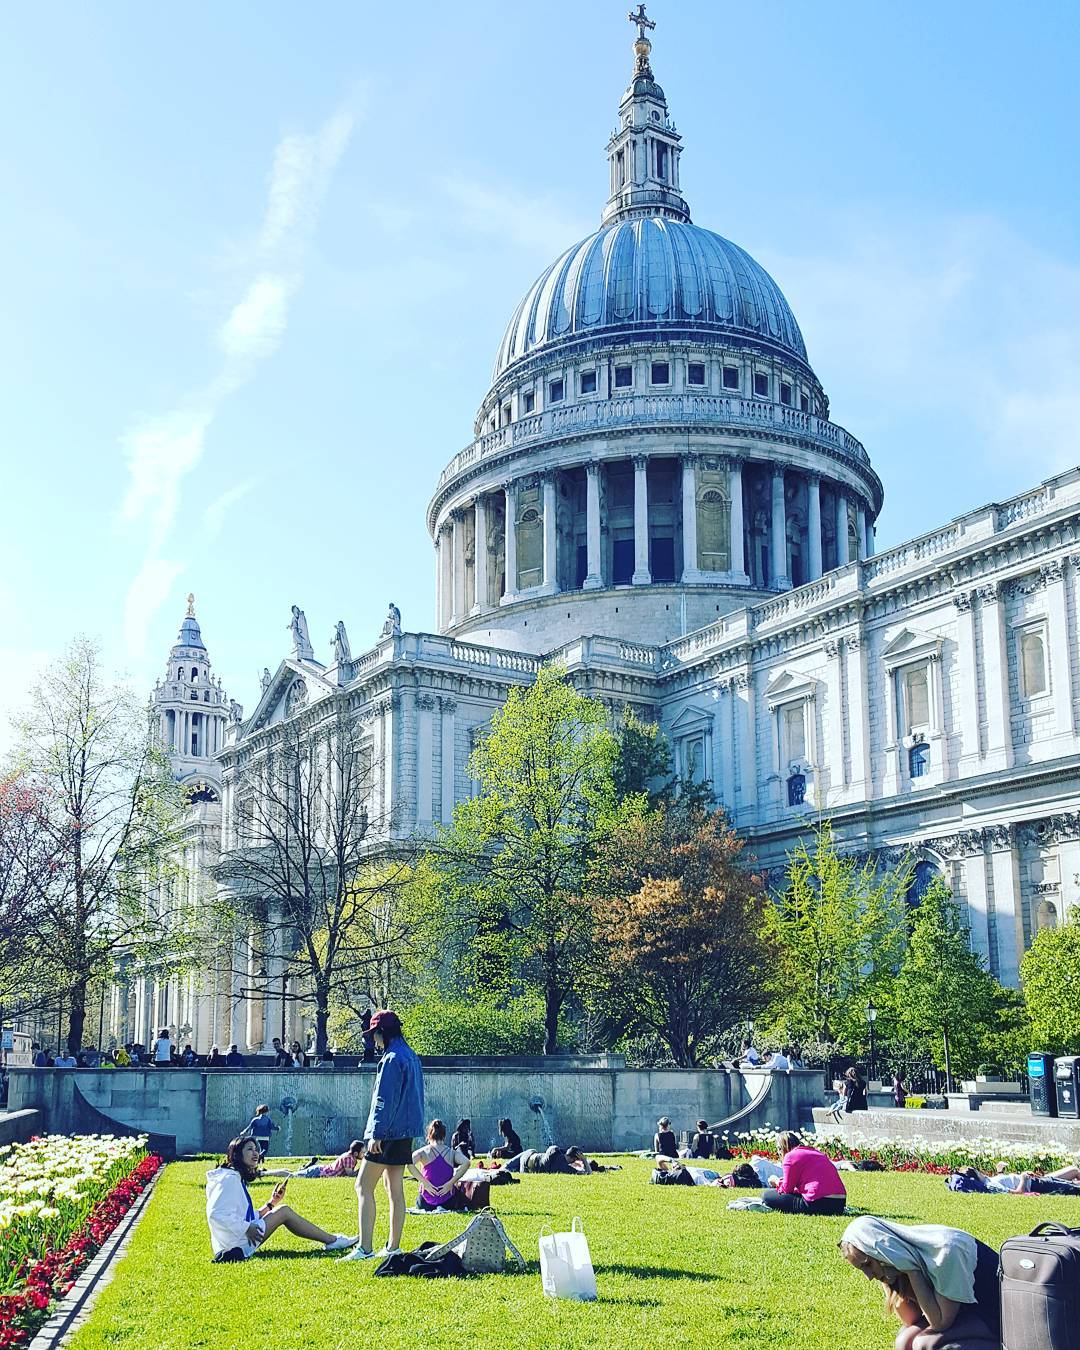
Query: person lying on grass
[940, 1282]
[557, 1161]
[439, 1168]
[237, 1228]
[1065, 1181]
[344, 1165]
[809, 1183]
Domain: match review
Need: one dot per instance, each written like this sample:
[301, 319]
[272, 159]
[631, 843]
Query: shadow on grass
[655, 1272]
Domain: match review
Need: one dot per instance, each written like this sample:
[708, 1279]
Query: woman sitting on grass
[940, 1282]
[237, 1228]
[664, 1143]
[462, 1138]
[809, 1184]
[438, 1168]
[511, 1144]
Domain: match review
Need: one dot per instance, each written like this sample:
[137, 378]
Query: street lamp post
[871, 1017]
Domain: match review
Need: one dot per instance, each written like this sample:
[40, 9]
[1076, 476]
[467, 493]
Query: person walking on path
[260, 1129]
[395, 1118]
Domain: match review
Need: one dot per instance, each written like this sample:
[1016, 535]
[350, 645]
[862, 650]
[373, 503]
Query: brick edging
[75, 1307]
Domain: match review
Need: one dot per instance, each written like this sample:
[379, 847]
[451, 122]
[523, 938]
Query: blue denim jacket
[397, 1097]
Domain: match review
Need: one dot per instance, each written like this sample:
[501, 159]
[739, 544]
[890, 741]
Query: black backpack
[1040, 1289]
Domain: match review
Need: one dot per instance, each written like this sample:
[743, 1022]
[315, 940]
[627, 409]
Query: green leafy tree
[838, 932]
[644, 761]
[516, 860]
[945, 998]
[1050, 975]
[110, 818]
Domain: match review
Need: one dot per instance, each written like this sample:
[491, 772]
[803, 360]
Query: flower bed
[914, 1155]
[60, 1198]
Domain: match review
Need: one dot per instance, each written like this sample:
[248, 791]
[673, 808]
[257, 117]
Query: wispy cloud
[161, 450]
[508, 214]
[213, 517]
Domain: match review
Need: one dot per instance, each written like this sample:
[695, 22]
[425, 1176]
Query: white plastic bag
[566, 1269]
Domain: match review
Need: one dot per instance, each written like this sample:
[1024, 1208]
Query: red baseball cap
[388, 1023]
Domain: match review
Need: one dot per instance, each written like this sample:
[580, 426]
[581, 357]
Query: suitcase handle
[1055, 1229]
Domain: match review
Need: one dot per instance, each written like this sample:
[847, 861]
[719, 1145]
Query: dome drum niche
[654, 436]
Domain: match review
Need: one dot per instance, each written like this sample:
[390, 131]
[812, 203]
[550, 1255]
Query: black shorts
[394, 1153]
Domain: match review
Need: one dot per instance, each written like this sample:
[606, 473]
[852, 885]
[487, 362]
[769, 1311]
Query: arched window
[919, 760]
[923, 877]
[1046, 916]
[180, 673]
[194, 672]
[796, 789]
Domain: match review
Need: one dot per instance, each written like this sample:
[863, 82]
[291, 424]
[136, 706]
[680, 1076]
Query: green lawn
[674, 1267]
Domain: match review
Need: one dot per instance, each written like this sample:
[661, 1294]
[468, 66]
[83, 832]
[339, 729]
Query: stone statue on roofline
[392, 626]
[264, 679]
[342, 650]
[302, 649]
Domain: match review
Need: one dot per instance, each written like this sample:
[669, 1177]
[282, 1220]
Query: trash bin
[1067, 1085]
[1041, 1085]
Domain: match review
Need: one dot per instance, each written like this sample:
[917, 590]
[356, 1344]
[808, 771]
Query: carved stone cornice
[963, 844]
[1050, 830]
[426, 701]
[448, 705]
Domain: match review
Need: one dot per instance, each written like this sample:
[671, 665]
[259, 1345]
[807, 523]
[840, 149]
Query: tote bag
[566, 1269]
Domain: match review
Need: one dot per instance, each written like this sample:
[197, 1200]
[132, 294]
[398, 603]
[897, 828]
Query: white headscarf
[945, 1256]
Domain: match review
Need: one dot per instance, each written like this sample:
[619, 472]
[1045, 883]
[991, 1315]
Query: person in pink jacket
[810, 1184]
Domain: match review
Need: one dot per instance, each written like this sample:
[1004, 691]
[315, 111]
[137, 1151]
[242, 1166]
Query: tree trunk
[552, 1005]
[76, 1016]
[322, 1017]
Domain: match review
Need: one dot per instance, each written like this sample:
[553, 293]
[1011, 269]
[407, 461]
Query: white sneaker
[385, 1252]
[358, 1253]
[341, 1243]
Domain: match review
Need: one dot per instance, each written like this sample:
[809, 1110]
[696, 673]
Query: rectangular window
[916, 698]
[761, 384]
[624, 377]
[622, 561]
[731, 377]
[804, 402]
[695, 373]
[661, 373]
[661, 161]
[506, 414]
[588, 381]
[1032, 663]
[785, 393]
[528, 401]
[556, 391]
[794, 728]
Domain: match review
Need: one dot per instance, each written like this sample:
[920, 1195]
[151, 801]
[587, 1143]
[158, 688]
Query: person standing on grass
[899, 1090]
[237, 1228]
[809, 1184]
[395, 1118]
[262, 1126]
[940, 1282]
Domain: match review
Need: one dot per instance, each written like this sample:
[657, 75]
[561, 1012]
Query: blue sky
[257, 258]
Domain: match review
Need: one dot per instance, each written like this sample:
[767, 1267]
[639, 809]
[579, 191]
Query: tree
[1050, 975]
[838, 931]
[515, 863]
[109, 820]
[684, 945]
[644, 761]
[29, 851]
[300, 882]
[944, 996]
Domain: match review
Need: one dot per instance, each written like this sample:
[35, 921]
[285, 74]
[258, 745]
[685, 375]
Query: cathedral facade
[657, 499]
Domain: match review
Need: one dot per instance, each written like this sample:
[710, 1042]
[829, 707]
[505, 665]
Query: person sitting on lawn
[438, 1167]
[703, 1144]
[344, 1165]
[237, 1228]
[462, 1138]
[261, 1127]
[936, 1279]
[664, 1143]
[809, 1184]
[511, 1145]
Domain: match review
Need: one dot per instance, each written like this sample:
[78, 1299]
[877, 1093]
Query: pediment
[689, 720]
[910, 645]
[790, 686]
[293, 686]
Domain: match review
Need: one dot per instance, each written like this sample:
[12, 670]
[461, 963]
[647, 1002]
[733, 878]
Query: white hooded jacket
[226, 1209]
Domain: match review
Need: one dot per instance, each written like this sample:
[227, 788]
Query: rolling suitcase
[1040, 1290]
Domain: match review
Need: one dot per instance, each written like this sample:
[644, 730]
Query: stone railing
[705, 410]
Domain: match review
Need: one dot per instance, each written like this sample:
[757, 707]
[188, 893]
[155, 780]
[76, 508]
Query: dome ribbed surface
[189, 635]
[636, 276]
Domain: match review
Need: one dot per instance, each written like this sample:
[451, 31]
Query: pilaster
[642, 576]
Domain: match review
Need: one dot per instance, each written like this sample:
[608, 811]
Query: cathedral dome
[656, 277]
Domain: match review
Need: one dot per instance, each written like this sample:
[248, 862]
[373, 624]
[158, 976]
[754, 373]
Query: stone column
[778, 577]
[438, 579]
[458, 567]
[551, 572]
[593, 579]
[841, 527]
[968, 672]
[642, 576]
[1057, 635]
[1008, 915]
[860, 528]
[976, 894]
[690, 570]
[425, 754]
[995, 660]
[510, 554]
[869, 542]
[735, 524]
[480, 568]
[858, 716]
[747, 747]
[447, 708]
[723, 739]
[813, 525]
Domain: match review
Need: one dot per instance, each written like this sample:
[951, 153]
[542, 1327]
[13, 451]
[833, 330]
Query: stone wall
[320, 1111]
[945, 1126]
[16, 1127]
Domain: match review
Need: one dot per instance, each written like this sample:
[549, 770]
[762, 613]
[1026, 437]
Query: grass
[673, 1267]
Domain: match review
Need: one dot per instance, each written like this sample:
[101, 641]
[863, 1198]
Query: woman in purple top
[438, 1168]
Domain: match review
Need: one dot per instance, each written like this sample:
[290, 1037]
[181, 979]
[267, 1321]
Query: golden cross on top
[641, 20]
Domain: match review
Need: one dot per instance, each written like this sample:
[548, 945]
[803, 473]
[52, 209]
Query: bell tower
[192, 712]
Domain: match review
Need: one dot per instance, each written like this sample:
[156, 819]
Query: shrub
[916, 1103]
[437, 1025]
